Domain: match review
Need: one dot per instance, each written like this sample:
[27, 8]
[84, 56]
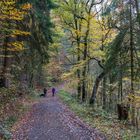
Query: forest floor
[50, 119]
[107, 123]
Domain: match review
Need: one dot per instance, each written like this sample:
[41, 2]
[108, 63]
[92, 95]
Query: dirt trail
[50, 119]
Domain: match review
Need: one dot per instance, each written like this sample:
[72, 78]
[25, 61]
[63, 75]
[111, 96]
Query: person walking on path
[44, 93]
[53, 91]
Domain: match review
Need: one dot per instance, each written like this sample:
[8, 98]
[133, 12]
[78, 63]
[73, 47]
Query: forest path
[50, 119]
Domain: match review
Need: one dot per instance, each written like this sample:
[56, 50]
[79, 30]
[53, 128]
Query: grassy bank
[101, 120]
[13, 105]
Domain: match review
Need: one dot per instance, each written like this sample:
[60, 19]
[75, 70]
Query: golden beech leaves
[98, 35]
[134, 100]
[26, 6]
[19, 32]
[9, 10]
[10, 16]
[67, 75]
[16, 46]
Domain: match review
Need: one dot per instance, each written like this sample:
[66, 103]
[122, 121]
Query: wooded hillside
[92, 47]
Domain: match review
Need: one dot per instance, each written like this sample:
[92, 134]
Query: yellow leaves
[19, 32]
[9, 10]
[8, 3]
[26, 6]
[126, 79]
[78, 33]
[67, 75]
[10, 14]
[17, 15]
[16, 46]
[74, 69]
[2, 17]
[98, 53]
[134, 100]
[11, 17]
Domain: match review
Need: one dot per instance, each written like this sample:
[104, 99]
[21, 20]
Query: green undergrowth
[13, 104]
[99, 119]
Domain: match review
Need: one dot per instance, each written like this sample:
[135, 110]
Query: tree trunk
[85, 56]
[104, 93]
[132, 62]
[95, 87]
[3, 79]
[84, 84]
[138, 13]
[120, 76]
[78, 71]
[122, 111]
[84, 74]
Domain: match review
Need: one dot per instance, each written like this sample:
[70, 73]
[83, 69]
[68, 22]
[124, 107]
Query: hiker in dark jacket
[53, 91]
